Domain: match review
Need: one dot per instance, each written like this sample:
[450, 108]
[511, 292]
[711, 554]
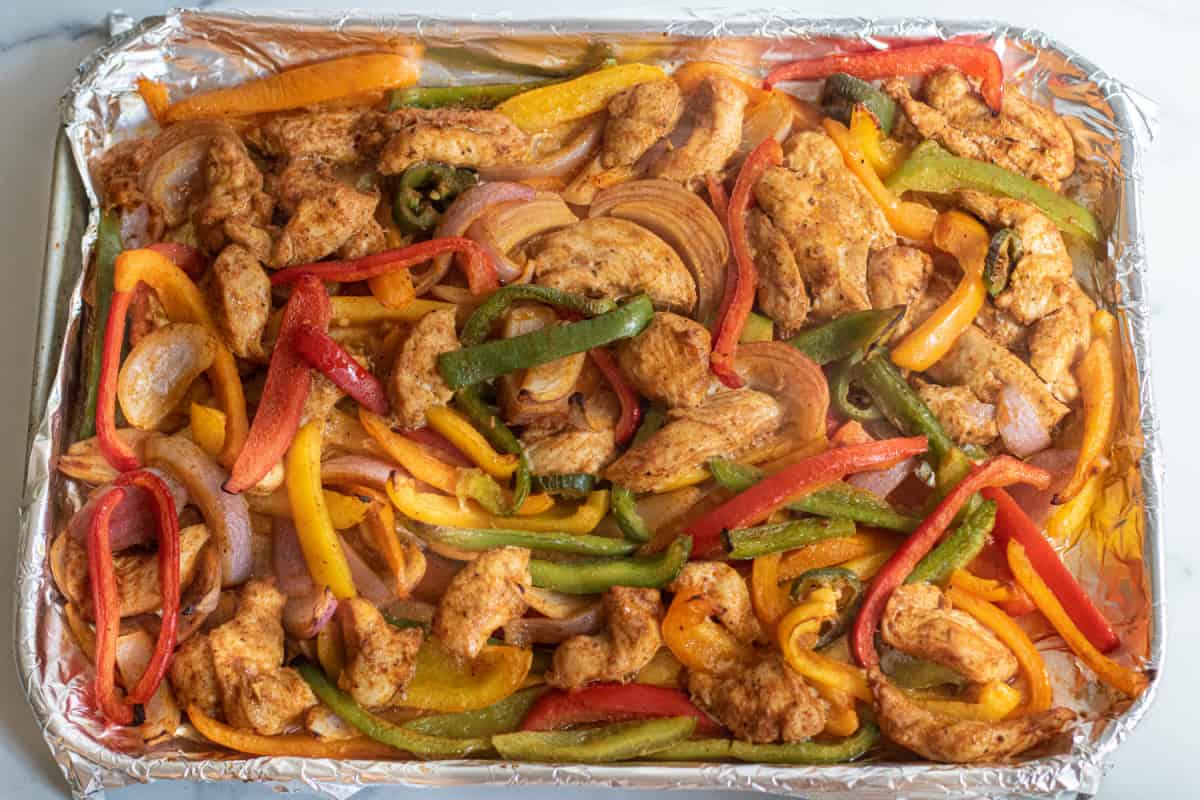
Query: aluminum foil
[192, 51]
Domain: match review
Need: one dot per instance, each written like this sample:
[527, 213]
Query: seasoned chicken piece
[458, 137]
[637, 118]
[715, 113]
[1025, 137]
[483, 596]
[939, 737]
[920, 620]
[328, 726]
[247, 652]
[116, 172]
[414, 383]
[324, 213]
[1040, 281]
[240, 296]
[723, 425]
[668, 361]
[193, 678]
[234, 202]
[829, 220]
[323, 395]
[611, 257]
[1057, 341]
[965, 419]
[567, 451]
[768, 702]
[380, 659]
[722, 586]
[338, 137]
[980, 363]
[899, 276]
[1002, 327]
[781, 292]
[369, 239]
[632, 638]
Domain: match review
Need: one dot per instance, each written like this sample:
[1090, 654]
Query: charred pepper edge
[745, 543]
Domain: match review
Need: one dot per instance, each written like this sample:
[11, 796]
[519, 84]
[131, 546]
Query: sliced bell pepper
[883, 154]
[1098, 384]
[285, 392]
[480, 271]
[631, 406]
[810, 752]
[625, 512]
[614, 702]
[832, 552]
[351, 310]
[436, 509]
[771, 601]
[745, 543]
[1013, 524]
[742, 281]
[105, 608]
[503, 716]
[757, 329]
[791, 483]
[995, 702]
[480, 539]
[477, 95]
[805, 620]
[393, 290]
[1131, 682]
[848, 334]
[289, 745]
[999, 471]
[1066, 522]
[459, 431]
[910, 220]
[620, 741]
[820, 668]
[833, 595]
[108, 247]
[302, 86]
[539, 109]
[689, 75]
[842, 95]
[208, 428]
[410, 455]
[569, 485]
[700, 643]
[424, 191]
[1004, 251]
[443, 683]
[484, 319]
[318, 540]
[903, 407]
[916, 60]
[959, 548]
[993, 591]
[718, 198]
[154, 95]
[600, 575]
[842, 717]
[379, 525]
[324, 354]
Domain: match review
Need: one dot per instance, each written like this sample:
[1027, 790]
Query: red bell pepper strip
[106, 610]
[187, 258]
[116, 452]
[999, 471]
[743, 280]
[168, 580]
[795, 481]
[631, 406]
[614, 702]
[717, 196]
[288, 382]
[323, 353]
[480, 271]
[977, 61]
[1013, 523]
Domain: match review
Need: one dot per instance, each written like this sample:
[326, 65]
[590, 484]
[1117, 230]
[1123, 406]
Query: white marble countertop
[1153, 45]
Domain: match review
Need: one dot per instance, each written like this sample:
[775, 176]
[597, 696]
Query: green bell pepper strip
[480, 325]
[959, 548]
[842, 92]
[479, 539]
[839, 392]
[931, 168]
[108, 247]
[758, 328]
[848, 334]
[652, 422]
[571, 485]
[899, 403]
[753, 542]
[477, 485]
[425, 191]
[502, 717]
[479, 95]
[850, 591]
[695, 750]
[836, 500]
[488, 422]
[490, 360]
[596, 576]
[1004, 251]
[624, 510]
[837, 752]
[621, 741]
[910, 672]
[379, 729]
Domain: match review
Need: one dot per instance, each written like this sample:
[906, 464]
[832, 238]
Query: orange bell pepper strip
[984, 588]
[770, 600]
[1037, 680]
[821, 668]
[1130, 682]
[697, 641]
[295, 744]
[393, 289]
[963, 237]
[302, 86]
[831, 552]
[154, 95]
[910, 220]
[883, 154]
[842, 719]
[689, 75]
[1098, 384]
[410, 455]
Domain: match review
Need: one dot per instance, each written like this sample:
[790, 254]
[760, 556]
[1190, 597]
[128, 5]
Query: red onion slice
[883, 482]
[368, 584]
[506, 268]
[291, 570]
[1038, 503]
[562, 162]
[133, 521]
[354, 470]
[305, 616]
[541, 630]
[1020, 428]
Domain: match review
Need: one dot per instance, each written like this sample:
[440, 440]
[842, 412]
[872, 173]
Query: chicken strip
[920, 620]
[380, 659]
[668, 361]
[414, 383]
[632, 638]
[328, 726]
[898, 276]
[715, 114]
[483, 596]
[239, 294]
[1024, 137]
[568, 451]
[458, 137]
[1058, 340]
[723, 425]
[725, 589]
[612, 257]
[768, 702]
[324, 213]
[829, 220]
[193, 678]
[337, 137]
[966, 420]
[637, 118]
[939, 737]
[369, 239]
[234, 206]
[781, 292]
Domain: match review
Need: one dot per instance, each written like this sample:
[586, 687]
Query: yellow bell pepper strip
[820, 668]
[996, 701]
[410, 455]
[831, 552]
[293, 744]
[804, 622]
[883, 154]
[588, 94]
[910, 220]
[689, 75]
[436, 509]
[443, 683]
[662, 670]
[463, 435]
[1037, 680]
[303, 86]
[1068, 519]
[983, 588]
[770, 600]
[318, 540]
[866, 566]
[183, 302]
[350, 310]
[208, 428]
[967, 240]
[1126, 680]
[345, 511]
[700, 643]
[842, 719]
[1098, 384]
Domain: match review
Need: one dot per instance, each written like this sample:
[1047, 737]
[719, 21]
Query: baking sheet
[192, 51]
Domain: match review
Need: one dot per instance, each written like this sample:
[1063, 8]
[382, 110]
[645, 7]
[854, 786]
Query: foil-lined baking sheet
[194, 51]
